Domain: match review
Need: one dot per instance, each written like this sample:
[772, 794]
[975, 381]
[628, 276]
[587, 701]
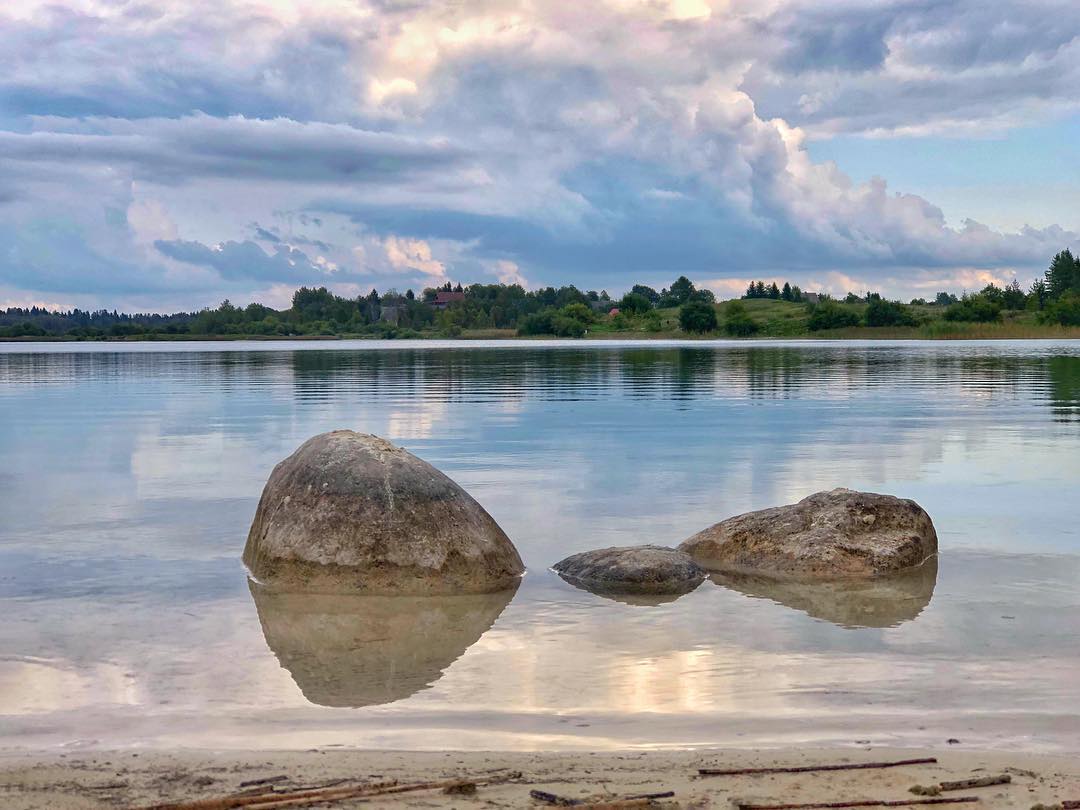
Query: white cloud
[413, 255]
[507, 272]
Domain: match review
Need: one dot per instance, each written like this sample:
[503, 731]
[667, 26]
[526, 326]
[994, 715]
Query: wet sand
[82, 780]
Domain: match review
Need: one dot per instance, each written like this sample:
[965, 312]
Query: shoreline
[868, 335]
[22, 345]
[83, 780]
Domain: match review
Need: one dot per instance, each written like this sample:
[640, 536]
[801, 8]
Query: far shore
[82, 780]
[967, 332]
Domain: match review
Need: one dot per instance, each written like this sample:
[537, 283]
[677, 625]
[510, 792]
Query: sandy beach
[129, 779]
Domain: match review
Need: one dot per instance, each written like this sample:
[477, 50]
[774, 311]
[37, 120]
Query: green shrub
[737, 321]
[1064, 311]
[565, 322]
[697, 316]
[974, 308]
[635, 303]
[564, 326]
[579, 312]
[889, 313]
[830, 315]
[539, 323]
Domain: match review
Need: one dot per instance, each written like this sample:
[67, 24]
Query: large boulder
[346, 650]
[349, 512]
[828, 535]
[632, 570]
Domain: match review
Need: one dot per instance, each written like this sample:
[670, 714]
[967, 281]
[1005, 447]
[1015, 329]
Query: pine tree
[1038, 292]
[1061, 275]
[786, 292]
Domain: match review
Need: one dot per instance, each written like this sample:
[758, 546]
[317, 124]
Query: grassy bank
[773, 319]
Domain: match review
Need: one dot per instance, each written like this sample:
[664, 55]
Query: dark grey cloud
[919, 64]
[833, 38]
[136, 62]
[199, 146]
[245, 260]
[265, 235]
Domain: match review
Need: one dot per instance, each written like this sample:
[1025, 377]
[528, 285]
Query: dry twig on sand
[305, 798]
[637, 800]
[977, 782]
[847, 766]
[857, 803]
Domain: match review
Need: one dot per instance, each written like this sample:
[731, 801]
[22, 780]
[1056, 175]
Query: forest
[1052, 301]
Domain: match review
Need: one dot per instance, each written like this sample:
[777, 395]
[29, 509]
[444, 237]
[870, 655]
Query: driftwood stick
[551, 798]
[981, 781]
[270, 780]
[849, 766]
[866, 803]
[262, 798]
[637, 800]
[304, 798]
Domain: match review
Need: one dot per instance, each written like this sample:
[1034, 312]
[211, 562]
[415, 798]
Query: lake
[131, 473]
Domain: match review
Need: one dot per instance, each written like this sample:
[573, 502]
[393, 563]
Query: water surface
[130, 475]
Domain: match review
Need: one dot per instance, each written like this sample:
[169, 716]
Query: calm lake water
[130, 475]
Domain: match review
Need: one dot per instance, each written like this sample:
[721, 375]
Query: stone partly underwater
[632, 570]
[829, 535]
[350, 512]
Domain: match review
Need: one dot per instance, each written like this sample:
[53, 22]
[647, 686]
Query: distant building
[444, 298]
[599, 306]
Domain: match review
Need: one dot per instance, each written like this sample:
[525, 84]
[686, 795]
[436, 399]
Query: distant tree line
[562, 311]
[1054, 297]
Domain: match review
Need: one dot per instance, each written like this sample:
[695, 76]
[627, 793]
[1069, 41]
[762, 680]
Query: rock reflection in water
[352, 651]
[879, 602]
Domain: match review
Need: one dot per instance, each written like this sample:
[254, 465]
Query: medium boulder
[632, 570]
[350, 512]
[828, 535]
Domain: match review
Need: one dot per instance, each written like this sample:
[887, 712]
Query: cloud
[919, 66]
[155, 149]
[246, 260]
[413, 255]
[507, 272]
[200, 146]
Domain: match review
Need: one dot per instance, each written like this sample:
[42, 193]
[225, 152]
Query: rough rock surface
[632, 569]
[349, 512]
[829, 535]
[346, 650]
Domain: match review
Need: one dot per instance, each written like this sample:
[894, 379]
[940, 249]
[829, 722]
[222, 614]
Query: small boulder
[350, 512]
[828, 535]
[632, 570]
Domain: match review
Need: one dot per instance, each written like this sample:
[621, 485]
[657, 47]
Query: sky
[158, 155]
